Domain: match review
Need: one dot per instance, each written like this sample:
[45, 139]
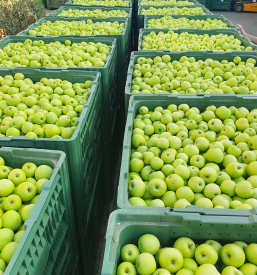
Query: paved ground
[247, 19]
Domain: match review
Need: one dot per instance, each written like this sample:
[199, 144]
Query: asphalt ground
[247, 19]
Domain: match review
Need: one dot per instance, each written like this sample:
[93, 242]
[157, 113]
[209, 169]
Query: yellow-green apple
[145, 264]
[26, 191]
[206, 254]
[26, 211]
[207, 269]
[169, 199]
[8, 251]
[137, 188]
[186, 246]
[137, 201]
[6, 187]
[171, 259]
[208, 174]
[12, 202]
[29, 168]
[232, 255]
[11, 219]
[6, 236]
[244, 189]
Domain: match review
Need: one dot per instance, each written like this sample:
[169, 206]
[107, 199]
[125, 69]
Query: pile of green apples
[46, 109]
[54, 55]
[19, 192]
[184, 41]
[169, 22]
[188, 76]
[166, 3]
[92, 13]
[78, 28]
[108, 3]
[186, 257]
[181, 156]
[175, 10]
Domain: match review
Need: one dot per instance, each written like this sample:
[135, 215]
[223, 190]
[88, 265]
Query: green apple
[186, 246]
[174, 181]
[190, 264]
[17, 176]
[6, 187]
[250, 253]
[234, 169]
[137, 201]
[171, 259]
[12, 202]
[145, 263]
[211, 190]
[161, 271]
[148, 243]
[197, 184]
[232, 255]
[157, 187]
[208, 174]
[26, 211]
[156, 203]
[11, 219]
[6, 236]
[207, 269]
[231, 270]
[244, 189]
[137, 188]
[18, 236]
[206, 254]
[29, 168]
[43, 172]
[220, 200]
[205, 202]
[136, 165]
[228, 187]
[26, 191]
[242, 245]
[251, 168]
[185, 192]
[8, 251]
[169, 199]
[182, 203]
[216, 245]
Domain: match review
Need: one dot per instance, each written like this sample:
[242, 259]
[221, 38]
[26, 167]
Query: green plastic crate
[200, 101]
[70, 3]
[84, 146]
[49, 244]
[208, 4]
[126, 227]
[221, 5]
[194, 1]
[198, 55]
[123, 42]
[202, 2]
[108, 72]
[139, 18]
[55, 4]
[244, 40]
[126, 9]
[194, 17]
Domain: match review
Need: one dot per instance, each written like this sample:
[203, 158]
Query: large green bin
[200, 101]
[193, 17]
[245, 41]
[123, 42]
[108, 73]
[139, 18]
[70, 3]
[49, 244]
[82, 149]
[126, 227]
[65, 8]
[221, 5]
[198, 55]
